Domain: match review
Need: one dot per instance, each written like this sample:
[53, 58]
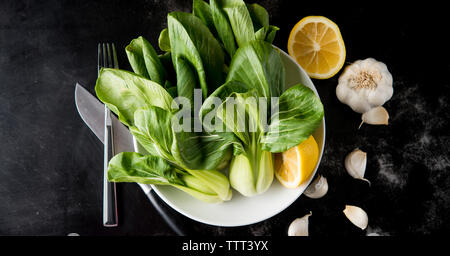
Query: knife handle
[109, 188]
[171, 219]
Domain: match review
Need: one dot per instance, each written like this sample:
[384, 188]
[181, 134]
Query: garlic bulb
[355, 164]
[375, 116]
[318, 188]
[365, 84]
[357, 216]
[299, 227]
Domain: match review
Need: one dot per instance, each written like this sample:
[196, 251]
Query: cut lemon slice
[295, 166]
[316, 44]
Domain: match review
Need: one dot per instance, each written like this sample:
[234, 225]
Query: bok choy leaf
[240, 20]
[223, 27]
[259, 66]
[259, 16]
[148, 169]
[300, 112]
[194, 50]
[202, 10]
[164, 41]
[184, 150]
[238, 23]
[125, 92]
[144, 60]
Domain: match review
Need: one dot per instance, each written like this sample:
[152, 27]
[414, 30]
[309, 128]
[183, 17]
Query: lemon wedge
[295, 166]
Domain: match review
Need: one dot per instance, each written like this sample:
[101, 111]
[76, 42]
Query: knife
[92, 111]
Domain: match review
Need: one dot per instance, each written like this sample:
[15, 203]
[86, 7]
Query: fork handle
[109, 188]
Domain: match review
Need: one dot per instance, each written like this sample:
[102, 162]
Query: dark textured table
[51, 163]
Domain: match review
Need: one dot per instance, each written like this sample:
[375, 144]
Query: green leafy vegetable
[241, 86]
[186, 78]
[144, 60]
[194, 48]
[251, 171]
[223, 27]
[270, 35]
[187, 150]
[155, 123]
[148, 169]
[164, 41]
[260, 19]
[259, 15]
[259, 66]
[300, 112]
[146, 107]
[252, 174]
[256, 75]
[125, 92]
[240, 20]
[238, 23]
[166, 61]
[202, 10]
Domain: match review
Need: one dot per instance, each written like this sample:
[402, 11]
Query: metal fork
[107, 58]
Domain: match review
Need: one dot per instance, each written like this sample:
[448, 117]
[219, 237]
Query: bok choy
[149, 169]
[146, 108]
[152, 114]
[223, 49]
[254, 88]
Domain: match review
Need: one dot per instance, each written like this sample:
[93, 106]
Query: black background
[51, 163]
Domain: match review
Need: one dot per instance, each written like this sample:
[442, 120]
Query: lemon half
[316, 44]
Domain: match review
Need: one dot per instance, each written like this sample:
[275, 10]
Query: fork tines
[107, 56]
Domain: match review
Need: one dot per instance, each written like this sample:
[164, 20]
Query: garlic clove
[357, 216]
[318, 188]
[375, 116]
[300, 226]
[355, 164]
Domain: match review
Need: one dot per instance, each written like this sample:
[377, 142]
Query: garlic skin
[318, 188]
[357, 216]
[375, 116]
[365, 84]
[299, 227]
[355, 164]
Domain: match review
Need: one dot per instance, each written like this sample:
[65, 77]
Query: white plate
[242, 210]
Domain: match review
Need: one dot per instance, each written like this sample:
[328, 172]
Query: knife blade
[92, 112]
